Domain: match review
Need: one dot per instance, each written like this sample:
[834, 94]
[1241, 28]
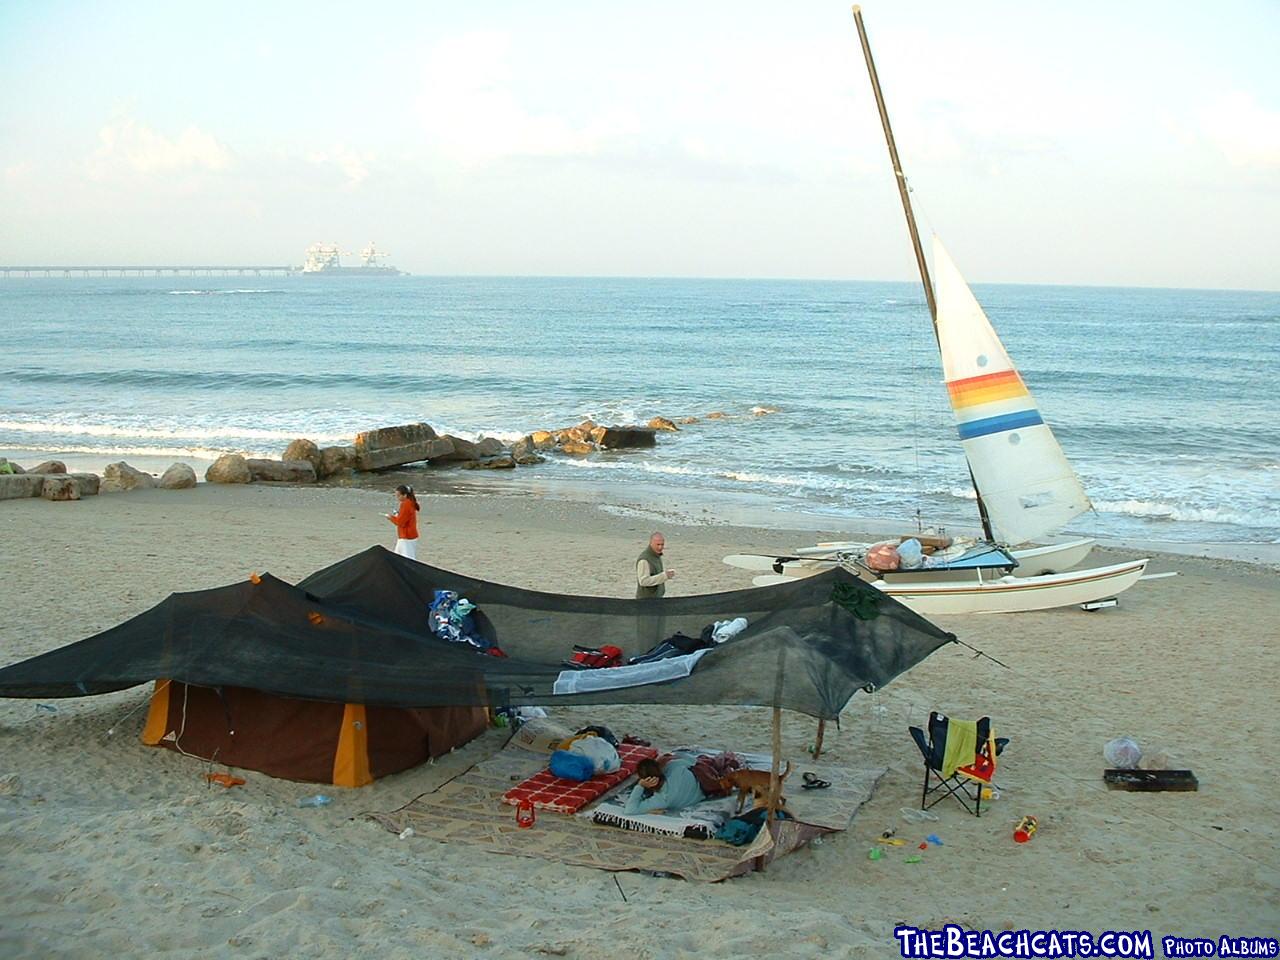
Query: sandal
[812, 782]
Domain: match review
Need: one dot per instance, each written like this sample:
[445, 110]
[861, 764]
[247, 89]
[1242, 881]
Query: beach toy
[875, 853]
[915, 858]
[934, 839]
[226, 779]
[525, 815]
[1025, 830]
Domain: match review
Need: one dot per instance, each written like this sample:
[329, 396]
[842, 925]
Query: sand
[111, 848]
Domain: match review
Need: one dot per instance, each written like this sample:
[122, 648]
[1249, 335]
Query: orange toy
[226, 779]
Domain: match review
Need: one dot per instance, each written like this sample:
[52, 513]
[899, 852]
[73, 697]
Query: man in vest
[651, 583]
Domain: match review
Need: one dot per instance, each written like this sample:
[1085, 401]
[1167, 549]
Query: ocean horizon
[832, 390]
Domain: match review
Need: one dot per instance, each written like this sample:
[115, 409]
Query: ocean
[1164, 400]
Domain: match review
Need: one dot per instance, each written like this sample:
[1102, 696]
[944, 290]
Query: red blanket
[546, 791]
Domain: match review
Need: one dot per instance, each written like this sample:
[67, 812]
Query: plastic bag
[1122, 753]
[910, 553]
[883, 556]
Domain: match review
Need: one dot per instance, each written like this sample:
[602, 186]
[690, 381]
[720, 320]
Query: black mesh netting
[358, 632]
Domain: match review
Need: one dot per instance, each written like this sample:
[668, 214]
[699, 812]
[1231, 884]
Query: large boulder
[49, 466]
[180, 476]
[462, 450]
[495, 463]
[59, 487]
[662, 423]
[687, 420]
[229, 468]
[542, 439]
[395, 446]
[577, 448]
[88, 483]
[490, 447]
[282, 471]
[717, 415]
[336, 460]
[14, 486]
[614, 438]
[303, 450]
[528, 459]
[120, 476]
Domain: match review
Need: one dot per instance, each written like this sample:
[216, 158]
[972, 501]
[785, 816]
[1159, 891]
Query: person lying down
[668, 789]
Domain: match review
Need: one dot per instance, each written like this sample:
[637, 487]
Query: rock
[614, 438]
[282, 471]
[10, 785]
[688, 420]
[662, 423]
[180, 476]
[528, 459]
[716, 415]
[336, 460]
[15, 486]
[496, 463]
[303, 450]
[763, 411]
[49, 466]
[577, 448]
[8, 467]
[523, 447]
[462, 450]
[396, 446]
[598, 434]
[120, 476]
[60, 488]
[574, 435]
[88, 483]
[490, 447]
[229, 468]
[542, 439]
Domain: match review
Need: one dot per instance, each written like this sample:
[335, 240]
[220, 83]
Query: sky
[1097, 143]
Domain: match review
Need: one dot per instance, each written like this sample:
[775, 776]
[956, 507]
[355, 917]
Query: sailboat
[1024, 485]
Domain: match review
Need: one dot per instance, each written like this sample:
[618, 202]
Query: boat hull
[1016, 594]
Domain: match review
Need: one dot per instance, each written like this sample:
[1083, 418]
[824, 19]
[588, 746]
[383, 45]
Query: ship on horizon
[325, 259]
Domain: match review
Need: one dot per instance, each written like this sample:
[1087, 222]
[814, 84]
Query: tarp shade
[357, 632]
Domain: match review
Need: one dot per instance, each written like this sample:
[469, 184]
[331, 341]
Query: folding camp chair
[968, 781]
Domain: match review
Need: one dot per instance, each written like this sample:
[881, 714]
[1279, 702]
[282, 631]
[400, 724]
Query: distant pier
[146, 271]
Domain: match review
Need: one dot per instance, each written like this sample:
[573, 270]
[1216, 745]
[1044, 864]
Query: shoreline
[662, 502]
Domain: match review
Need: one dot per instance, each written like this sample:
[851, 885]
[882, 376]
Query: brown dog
[754, 783]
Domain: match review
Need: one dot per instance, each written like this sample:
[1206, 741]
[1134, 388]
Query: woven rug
[469, 810]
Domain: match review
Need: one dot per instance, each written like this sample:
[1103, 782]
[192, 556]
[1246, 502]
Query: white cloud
[353, 165]
[1247, 133]
[128, 146]
[469, 111]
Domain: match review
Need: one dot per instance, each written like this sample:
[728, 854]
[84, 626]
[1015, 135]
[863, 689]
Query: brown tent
[348, 745]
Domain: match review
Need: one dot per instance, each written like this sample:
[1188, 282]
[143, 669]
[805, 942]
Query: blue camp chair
[968, 781]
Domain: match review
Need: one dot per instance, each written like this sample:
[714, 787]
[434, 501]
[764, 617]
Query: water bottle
[319, 800]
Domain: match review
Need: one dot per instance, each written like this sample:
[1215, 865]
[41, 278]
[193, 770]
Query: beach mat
[469, 810]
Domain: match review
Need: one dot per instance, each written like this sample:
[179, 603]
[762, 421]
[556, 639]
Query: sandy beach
[112, 848]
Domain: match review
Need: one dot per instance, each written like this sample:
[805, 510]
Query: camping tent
[357, 633]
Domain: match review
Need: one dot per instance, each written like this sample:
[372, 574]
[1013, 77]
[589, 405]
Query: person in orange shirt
[406, 521]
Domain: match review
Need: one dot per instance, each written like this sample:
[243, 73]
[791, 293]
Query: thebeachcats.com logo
[954, 941]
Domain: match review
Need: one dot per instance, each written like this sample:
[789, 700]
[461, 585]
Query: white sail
[1020, 472]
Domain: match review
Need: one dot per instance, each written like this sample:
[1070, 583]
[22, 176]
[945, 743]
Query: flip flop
[812, 782]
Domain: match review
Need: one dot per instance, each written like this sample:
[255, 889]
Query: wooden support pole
[817, 740]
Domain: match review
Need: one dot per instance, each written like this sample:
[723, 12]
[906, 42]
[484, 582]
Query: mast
[911, 222]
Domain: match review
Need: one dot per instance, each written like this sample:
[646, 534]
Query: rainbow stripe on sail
[971, 396]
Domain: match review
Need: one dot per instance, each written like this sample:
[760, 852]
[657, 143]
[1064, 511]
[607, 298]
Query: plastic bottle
[1025, 830]
[406, 833]
[319, 800]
